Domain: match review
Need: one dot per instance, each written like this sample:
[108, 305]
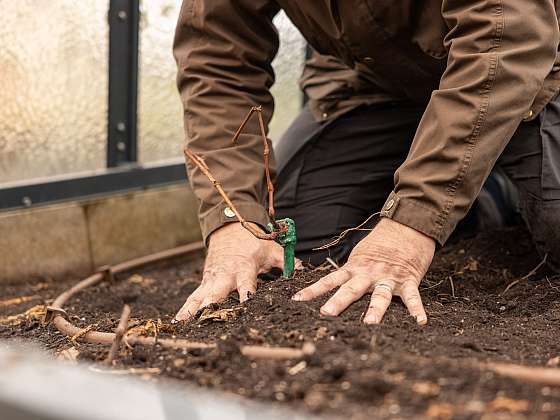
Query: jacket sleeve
[224, 50]
[499, 54]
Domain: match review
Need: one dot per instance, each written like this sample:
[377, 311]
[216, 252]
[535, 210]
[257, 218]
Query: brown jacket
[481, 67]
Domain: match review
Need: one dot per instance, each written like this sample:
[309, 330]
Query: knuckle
[375, 309]
[336, 278]
[329, 282]
[382, 295]
[351, 290]
[414, 301]
[195, 298]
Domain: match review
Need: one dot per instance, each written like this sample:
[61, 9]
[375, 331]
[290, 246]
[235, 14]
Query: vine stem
[199, 162]
[120, 331]
[266, 156]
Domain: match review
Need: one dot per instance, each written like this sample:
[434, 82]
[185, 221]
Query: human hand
[390, 260]
[235, 258]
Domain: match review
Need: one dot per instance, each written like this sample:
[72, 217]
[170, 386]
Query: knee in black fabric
[543, 220]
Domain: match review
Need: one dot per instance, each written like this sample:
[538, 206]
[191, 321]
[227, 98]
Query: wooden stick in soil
[537, 375]
[277, 353]
[119, 334]
[199, 162]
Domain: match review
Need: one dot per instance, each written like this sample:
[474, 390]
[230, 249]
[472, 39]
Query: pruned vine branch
[266, 156]
[336, 240]
[119, 334]
[201, 164]
[198, 161]
[526, 276]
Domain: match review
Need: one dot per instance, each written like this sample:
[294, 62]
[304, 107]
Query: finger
[380, 301]
[246, 283]
[190, 307]
[219, 292]
[323, 285]
[348, 293]
[411, 298]
[217, 284]
[298, 264]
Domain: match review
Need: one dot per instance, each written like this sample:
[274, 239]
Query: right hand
[235, 258]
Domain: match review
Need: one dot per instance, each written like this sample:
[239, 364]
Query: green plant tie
[288, 241]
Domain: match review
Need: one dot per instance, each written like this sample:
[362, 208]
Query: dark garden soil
[396, 370]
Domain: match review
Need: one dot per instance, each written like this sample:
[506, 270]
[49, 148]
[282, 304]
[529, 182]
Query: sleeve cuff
[411, 213]
[221, 215]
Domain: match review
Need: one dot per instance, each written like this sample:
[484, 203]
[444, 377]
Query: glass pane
[160, 116]
[288, 66]
[53, 74]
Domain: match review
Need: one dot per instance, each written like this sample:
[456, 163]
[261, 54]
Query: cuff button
[229, 212]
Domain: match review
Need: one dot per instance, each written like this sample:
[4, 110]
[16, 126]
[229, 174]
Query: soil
[395, 370]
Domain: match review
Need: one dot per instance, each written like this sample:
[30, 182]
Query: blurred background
[91, 133]
[55, 85]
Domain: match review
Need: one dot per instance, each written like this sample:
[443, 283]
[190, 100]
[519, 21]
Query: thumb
[274, 256]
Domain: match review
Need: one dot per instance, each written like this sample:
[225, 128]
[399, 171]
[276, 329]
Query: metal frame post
[124, 18]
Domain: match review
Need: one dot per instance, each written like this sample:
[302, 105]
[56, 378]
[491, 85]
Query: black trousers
[333, 175]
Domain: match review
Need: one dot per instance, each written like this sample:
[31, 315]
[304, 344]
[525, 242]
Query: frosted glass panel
[160, 115]
[288, 66]
[53, 95]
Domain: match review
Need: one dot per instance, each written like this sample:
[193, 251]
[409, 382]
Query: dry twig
[199, 162]
[333, 263]
[452, 286]
[432, 286]
[551, 285]
[131, 371]
[277, 353]
[18, 300]
[527, 276]
[537, 375]
[119, 334]
[36, 312]
[336, 240]
[266, 156]
[220, 315]
[278, 229]
[82, 333]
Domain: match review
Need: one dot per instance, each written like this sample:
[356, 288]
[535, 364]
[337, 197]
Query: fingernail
[421, 320]
[297, 297]
[174, 321]
[371, 319]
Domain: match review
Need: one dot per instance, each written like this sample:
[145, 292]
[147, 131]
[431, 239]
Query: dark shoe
[495, 207]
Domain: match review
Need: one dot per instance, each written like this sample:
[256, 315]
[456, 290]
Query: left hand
[390, 260]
